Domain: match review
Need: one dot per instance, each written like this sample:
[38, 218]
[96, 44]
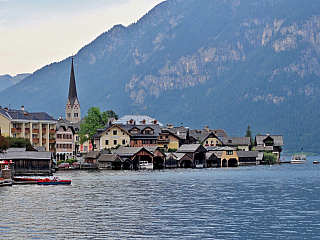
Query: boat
[146, 165]
[298, 159]
[54, 181]
[315, 162]
[26, 179]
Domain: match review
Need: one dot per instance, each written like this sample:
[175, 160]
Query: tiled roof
[209, 148]
[219, 132]
[137, 119]
[190, 148]
[108, 158]
[126, 151]
[25, 155]
[242, 154]
[236, 141]
[277, 139]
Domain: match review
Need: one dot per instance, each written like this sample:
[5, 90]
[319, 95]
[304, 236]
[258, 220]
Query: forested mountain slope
[227, 64]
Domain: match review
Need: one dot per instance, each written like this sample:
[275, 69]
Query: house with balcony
[272, 143]
[38, 127]
[169, 140]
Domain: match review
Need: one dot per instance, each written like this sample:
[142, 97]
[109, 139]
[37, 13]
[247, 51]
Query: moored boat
[54, 181]
[26, 179]
[315, 162]
[298, 159]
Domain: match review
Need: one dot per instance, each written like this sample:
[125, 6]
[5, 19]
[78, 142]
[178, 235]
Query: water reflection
[249, 202]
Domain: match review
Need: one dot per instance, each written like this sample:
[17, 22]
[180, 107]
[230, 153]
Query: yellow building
[226, 156]
[111, 137]
[168, 139]
[38, 127]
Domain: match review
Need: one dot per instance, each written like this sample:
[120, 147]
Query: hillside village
[130, 142]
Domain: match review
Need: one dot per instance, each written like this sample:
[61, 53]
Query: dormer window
[135, 131]
[131, 121]
[229, 141]
[155, 121]
[143, 121]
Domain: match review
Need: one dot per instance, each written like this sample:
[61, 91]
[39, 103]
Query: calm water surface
[260, 202]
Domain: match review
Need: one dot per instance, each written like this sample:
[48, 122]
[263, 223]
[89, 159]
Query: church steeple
[73, 111]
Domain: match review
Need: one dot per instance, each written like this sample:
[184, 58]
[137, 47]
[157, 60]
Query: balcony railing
[52, 131]
[27, 130]
[35, 140]
[16, 130]
[35, 130]
[44, 140]
[163, 140]
[52, 140]
[44, 130]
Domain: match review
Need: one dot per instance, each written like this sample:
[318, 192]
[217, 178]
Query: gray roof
[127, 151]
[236, 141]
[190, 148]
[25, 115]
[199, 134]
[75, 127]
[92, 154]
[11, 155]
[108, 158]
[221, 149]
[243, 154]
[219, 132]
[277, 139]
[179, 156]
[180, 131]
[137, 119]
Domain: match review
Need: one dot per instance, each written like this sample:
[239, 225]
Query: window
[14, 125]
[69, 115]
[0, 131]
[207, 142]
[77, 138]
[85, 148]
[123, 142]
[64, 136]
[106, 142]
[107, 133]
[115, 132]
[160, 137]
[145, 141]
[14, 135]
[229, 152]
[135, 131]
[75, 114]
[115, 142]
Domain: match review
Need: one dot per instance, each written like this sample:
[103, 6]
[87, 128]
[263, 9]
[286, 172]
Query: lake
[258, 202]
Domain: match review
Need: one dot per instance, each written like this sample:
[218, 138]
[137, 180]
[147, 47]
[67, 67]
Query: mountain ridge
[227, 64]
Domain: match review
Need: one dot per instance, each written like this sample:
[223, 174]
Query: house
[110, 162]
[159, 157]
[111, 136]
[247, 158]
[212, 160]
[29, 162]
[272, 143]
[226, 156]
[168, 139]
[135, 157]
[197, 152]
[92, 157]
[205, 137]
[182, 160]
[38, 127]
[241, 143]
[66, 147]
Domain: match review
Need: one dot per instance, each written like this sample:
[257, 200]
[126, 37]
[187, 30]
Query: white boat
[298, 159]
[146, 165]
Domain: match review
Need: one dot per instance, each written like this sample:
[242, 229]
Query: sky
[34, 33]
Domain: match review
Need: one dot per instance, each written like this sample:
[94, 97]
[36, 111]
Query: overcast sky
[34, 33]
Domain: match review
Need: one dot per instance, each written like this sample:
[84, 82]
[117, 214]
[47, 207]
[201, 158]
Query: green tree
[92, 121]
[4, 144]
[249, 134]
[270, 158]
[20, 143]
[112, 114]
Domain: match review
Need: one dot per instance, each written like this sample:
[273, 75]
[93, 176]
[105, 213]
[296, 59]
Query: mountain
[223, 63]
[7, 80]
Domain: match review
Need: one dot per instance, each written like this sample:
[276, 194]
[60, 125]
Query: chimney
[234, 135]
[22, 108]
[206, 128]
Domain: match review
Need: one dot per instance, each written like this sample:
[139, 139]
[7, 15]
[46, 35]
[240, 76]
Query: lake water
[259, 202]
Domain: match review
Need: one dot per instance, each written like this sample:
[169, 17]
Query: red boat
[54, 181]
[24, 179]
[315, 162]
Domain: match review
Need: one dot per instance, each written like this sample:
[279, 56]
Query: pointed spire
[72, 86]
